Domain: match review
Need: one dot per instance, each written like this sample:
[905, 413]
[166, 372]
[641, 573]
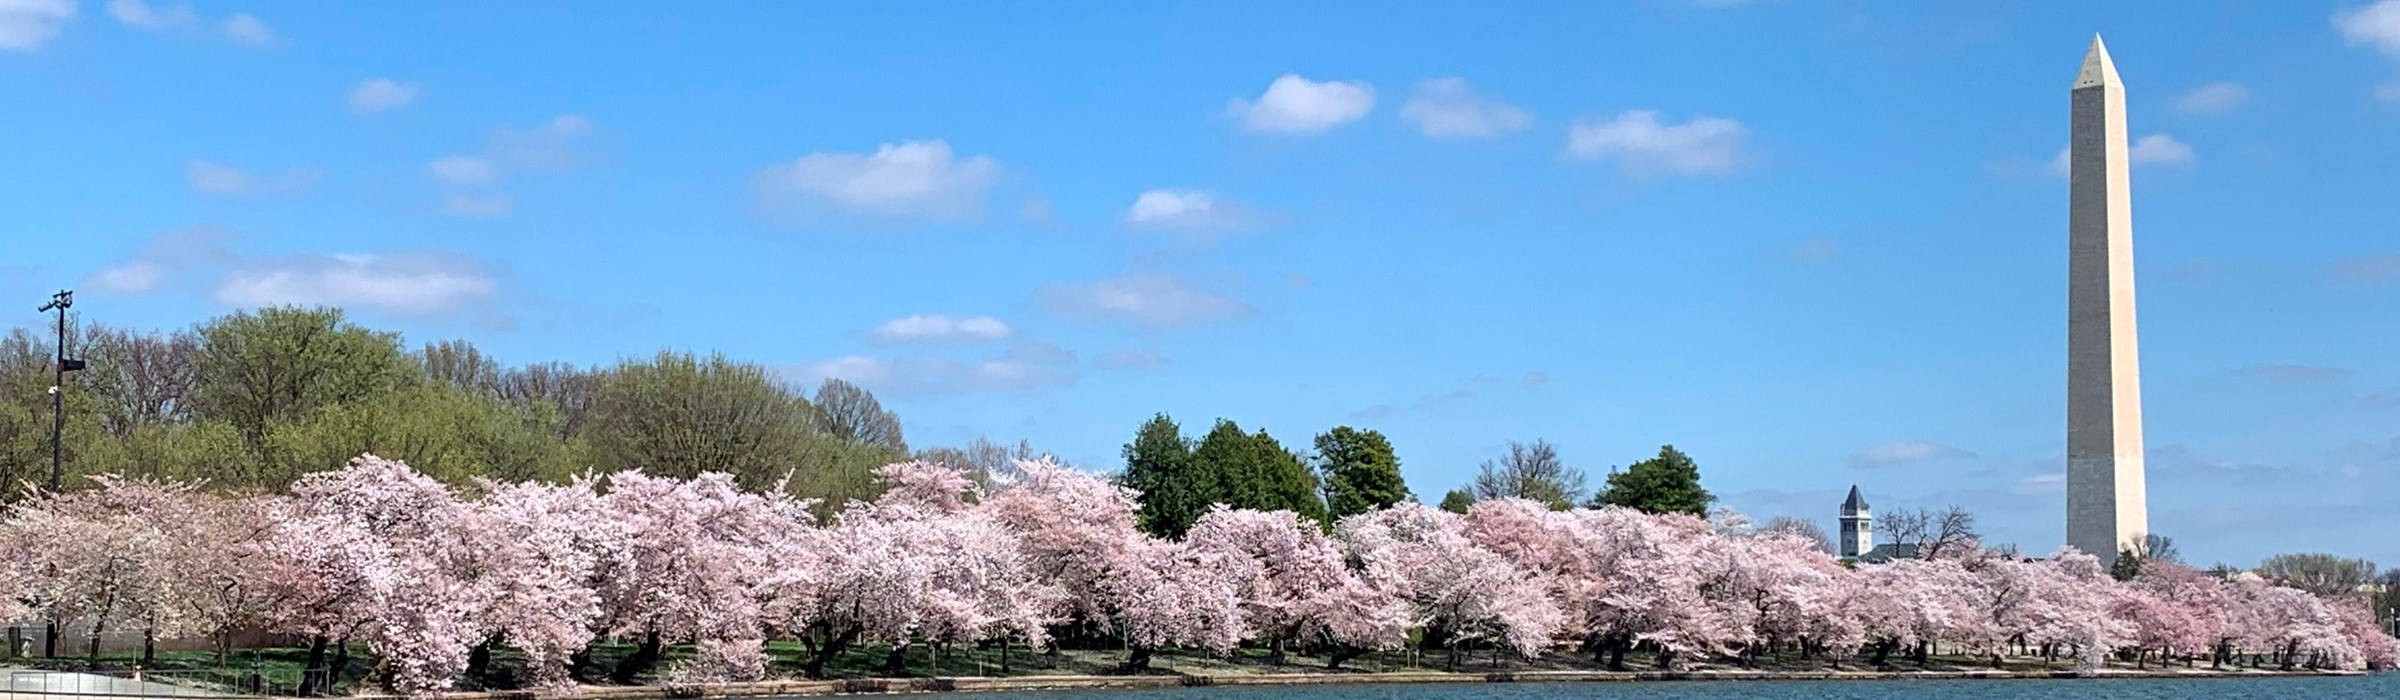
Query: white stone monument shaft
[2107, 507]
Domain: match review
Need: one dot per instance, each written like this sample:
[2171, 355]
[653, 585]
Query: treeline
[250, 401]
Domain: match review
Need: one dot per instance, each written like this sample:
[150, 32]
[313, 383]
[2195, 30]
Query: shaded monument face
[2107, 508]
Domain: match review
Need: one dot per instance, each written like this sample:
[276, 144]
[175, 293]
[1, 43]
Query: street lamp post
[58, 423]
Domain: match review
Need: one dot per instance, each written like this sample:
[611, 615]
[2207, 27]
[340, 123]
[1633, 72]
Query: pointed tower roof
[2097, 70]
[1855, 503]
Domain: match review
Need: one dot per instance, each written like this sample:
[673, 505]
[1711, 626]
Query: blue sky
[1811, 243]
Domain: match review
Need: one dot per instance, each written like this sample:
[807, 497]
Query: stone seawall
[990, 684]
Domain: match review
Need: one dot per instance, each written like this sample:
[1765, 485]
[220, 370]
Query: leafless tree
[459, 362]
[993, 463]
[2322, 574]
[848, 412]
[1931, 532]
[140, 378]
[1805, 529]
[1532, 472]
[563, 387]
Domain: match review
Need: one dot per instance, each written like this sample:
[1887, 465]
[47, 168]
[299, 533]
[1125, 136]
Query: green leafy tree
[679, 415]
[1668, 483]
[1158, 463]
[1458, 501]
[1361, 472]
[1254, 471]
[255, 369]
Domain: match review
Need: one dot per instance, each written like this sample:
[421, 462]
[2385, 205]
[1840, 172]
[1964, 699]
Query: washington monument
[2107, 507]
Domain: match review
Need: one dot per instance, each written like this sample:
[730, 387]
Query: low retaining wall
[987, 684]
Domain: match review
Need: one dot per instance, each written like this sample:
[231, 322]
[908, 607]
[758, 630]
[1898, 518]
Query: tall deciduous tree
[1532, 472]
[2319, 573]
[1668, 483]
[1361, 471]
[848, 412]
[254, 369]
[681, 415]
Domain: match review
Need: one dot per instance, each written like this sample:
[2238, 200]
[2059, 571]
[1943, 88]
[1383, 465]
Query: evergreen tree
[1458, 501]
[1158, 463]
[1252, 470]
[1361, 472]
[1668, 483]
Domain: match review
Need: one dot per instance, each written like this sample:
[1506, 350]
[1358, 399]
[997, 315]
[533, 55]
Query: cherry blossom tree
[1461, 593]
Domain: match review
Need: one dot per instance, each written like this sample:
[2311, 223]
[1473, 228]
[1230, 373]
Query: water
[2382, 686]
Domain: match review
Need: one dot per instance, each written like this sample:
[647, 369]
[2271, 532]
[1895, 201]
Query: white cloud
[410, 284]
[138, 15]
[1026, 366]
[240, 28]
[2160, 149]
[379, 94]
[130, 278]
[1297, 105]
[1906, 452]
[1443, 108]
[26, 25]
[2376, 25]
[2213, 98]
[2155, 149]
[937, 327]
[557, 144]
[1191, 211]
[1816, 250]
[2388, 92]
[1155, 300]
[217, 179]
[246, 29]
[478, 206]
[1643, 144]
[213, 178]
[1131, 359]
[908, 179]
[463, 171]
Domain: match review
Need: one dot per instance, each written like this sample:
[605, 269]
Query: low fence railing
[178, 683]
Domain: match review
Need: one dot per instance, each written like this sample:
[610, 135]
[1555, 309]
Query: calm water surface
[2382, 686]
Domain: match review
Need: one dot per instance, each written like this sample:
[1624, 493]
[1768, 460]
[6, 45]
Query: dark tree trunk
[311, 674]
[1666, 658]
[50, 640]
[149, 648]
[1340, 654]
[895, 661]
[1275, 651]
[1136, 660]
[823, 645]
[341, 666]
[634, 664]
[1883, 651]
[479, 661]
[1616, 654]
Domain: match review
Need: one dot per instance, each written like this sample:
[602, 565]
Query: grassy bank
[279, 670]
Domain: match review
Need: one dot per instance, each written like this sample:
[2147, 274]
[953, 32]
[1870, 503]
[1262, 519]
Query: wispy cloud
[1024, 366]
[939, 327]
[409, 283]
[2291, 374]
[212, 178]
[1642, 143]
[469, 180]
[911, 179]
[240, 28]
[1192, 213]
[1906, 452]
[2375, 268]
[1146, 299]
[2213, 98]
[381, 95]
[25, 25]
[2152, 150]
[1297, 105]
[1444, 108]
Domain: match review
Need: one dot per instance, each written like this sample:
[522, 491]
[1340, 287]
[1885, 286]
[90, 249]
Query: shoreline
[970, 684]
